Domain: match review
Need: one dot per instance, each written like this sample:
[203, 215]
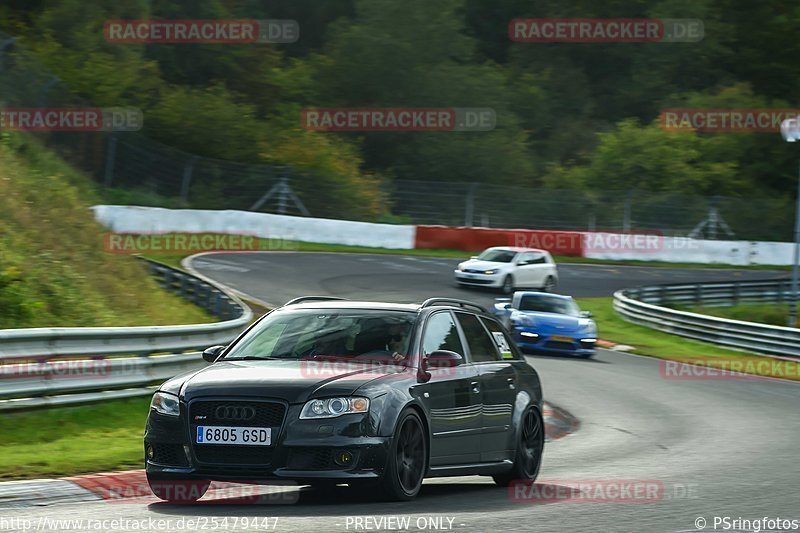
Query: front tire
[407, 461]
[549, 284]
[530, 446]
[178, 490]
[508, 285]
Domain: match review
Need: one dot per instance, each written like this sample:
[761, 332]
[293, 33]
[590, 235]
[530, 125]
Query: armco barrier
[469, 239]
[633, 305]
[63, 366]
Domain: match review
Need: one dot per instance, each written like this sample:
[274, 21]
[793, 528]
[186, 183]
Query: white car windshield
[498, 256]
[549, 304]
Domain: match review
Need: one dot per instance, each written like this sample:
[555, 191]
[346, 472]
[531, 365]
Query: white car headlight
[166, 404]
[333, 407]
[490, 272]
[586, 323]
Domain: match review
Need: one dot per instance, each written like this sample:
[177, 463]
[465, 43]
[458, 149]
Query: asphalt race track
[412, 279]
[713, 447]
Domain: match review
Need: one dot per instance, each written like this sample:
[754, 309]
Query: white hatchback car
[508, 268]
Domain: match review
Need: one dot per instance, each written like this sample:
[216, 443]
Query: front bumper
[578, 344]
[482, 280]
[302, 451]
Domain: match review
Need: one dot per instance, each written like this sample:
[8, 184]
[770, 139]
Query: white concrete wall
[131, 219]
[685, 250]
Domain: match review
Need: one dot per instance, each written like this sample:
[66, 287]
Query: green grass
[53, 267]
[775, 314]
[654, 343]
[73, 440]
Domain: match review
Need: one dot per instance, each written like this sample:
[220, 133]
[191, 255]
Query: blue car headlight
[521, 319]
[587, 325]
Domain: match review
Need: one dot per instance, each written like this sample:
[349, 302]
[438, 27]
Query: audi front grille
[235, 413]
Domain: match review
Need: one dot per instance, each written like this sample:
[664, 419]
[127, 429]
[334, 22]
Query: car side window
[481, 345]
[524, 259]
[441, 333]
[507, 348]
[537, 259]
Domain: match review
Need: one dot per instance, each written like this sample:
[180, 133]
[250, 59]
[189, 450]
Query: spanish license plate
[233, 435]
[562, 338]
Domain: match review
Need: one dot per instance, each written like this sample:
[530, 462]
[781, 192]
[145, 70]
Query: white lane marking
[221, 266]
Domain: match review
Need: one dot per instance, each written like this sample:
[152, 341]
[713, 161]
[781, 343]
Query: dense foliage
[578, 115]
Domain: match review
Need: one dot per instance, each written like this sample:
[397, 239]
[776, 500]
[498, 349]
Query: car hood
[484, 265]
[292, 381]
[552, 321]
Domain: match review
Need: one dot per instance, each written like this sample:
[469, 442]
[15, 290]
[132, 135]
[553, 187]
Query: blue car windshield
[498, 256]
[549, 304]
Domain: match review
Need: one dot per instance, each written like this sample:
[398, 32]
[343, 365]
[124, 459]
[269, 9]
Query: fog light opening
[149, 452]
[343, 458]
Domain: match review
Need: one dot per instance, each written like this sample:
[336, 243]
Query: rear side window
[481, 345]
[505, 345]
[441, 333]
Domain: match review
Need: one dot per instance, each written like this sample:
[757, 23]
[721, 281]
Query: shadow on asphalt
[434, 498]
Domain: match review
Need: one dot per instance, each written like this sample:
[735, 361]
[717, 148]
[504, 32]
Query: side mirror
[586, 314]
[211, 354]
[442, 359]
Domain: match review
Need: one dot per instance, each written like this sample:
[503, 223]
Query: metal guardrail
[647, 306]
[61, 366]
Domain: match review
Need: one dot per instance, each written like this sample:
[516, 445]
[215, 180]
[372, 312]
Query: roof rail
[303, 299]
[453, 301]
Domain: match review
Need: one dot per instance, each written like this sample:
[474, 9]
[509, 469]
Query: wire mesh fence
[132, 168]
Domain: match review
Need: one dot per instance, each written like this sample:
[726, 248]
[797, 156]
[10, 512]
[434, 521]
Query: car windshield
[354, 335]
[498, 256]
[549, 304]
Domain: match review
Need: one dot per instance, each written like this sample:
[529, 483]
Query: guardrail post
[698, 295]
[217, 305]
[187, 179]
[45, 90]
[111, 155]
[469, 207]
[736, 291]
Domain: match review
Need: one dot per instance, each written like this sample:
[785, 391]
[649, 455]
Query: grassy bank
[672, 347]
[53, 268]
[73, 440]
[775, 314]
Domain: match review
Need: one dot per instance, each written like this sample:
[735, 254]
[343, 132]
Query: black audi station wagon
[324, 391]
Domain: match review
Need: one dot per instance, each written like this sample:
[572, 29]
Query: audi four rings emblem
[232, 412]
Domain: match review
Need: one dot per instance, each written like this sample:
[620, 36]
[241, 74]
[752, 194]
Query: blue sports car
[548, 323]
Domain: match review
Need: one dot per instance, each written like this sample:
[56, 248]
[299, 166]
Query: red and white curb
[131, 487]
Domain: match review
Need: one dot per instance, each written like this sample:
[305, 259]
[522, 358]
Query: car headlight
[520, 319]
[166, 404]
[586, 323]
[490, 272]
[333, 407]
